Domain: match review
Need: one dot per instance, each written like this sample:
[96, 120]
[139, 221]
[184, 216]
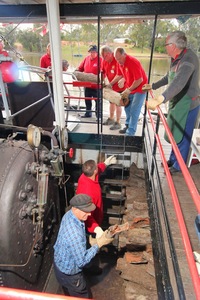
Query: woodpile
[137, 266]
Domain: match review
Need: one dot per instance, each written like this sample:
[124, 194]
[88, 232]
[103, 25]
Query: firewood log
[114, 97]
[82, 76]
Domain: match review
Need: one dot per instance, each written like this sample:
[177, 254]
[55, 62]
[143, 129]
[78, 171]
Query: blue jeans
[184, 145]
[73, 285]
[133, 111]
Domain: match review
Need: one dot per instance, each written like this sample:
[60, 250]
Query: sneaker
[115, 126]
[109, 122]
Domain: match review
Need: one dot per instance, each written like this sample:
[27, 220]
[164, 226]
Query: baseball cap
[83, 202]
[92, 48]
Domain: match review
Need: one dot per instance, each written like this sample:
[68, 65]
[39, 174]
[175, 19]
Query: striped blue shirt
[70, 253]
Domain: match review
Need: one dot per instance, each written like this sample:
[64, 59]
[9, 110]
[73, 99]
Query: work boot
[123, 131]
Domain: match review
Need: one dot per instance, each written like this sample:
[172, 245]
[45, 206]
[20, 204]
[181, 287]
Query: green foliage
[191, 28]
[30, 40]
[79, 36]
[10, 34]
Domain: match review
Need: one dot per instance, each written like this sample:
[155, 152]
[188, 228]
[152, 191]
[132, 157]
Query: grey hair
[178, 38]
[65, 63]
[105, 49]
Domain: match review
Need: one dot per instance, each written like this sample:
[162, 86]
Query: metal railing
[192, 189]
[16, 294]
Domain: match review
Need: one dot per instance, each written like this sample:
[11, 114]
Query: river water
[160, 66]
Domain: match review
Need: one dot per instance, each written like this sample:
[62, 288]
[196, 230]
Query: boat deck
[186, 202]
[189, 212]
[90, 125]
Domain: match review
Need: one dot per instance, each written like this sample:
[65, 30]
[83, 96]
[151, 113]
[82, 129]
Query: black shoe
[169, 163]
[86, 115]
[173, 170]
[123, 131]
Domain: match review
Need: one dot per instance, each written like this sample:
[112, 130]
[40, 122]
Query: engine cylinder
[26, 247]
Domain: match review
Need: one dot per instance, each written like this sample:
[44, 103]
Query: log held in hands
[114, 97]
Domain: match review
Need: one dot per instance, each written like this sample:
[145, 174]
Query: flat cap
[83, 202]
[92, 48]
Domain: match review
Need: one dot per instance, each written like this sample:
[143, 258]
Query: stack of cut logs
[136, 265]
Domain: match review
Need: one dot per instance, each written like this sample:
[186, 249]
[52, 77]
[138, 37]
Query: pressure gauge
[33, 136]
[64, 138]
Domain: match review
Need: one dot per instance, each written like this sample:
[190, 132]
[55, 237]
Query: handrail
[188, 179]
[17, 294]
[194, 193]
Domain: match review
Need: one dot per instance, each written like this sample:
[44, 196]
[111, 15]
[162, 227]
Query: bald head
[120, 55]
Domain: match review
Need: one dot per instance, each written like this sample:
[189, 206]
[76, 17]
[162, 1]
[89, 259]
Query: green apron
[178, 111]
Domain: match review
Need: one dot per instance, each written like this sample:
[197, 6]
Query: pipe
[15, 294]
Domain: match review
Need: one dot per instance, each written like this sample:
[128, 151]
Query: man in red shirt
[88, 183]
[2, 51]
[90, 64]
[135, 77]
[109, 69]
[45, 60]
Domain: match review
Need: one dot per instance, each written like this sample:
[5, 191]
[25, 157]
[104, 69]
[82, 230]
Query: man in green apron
[183, 94]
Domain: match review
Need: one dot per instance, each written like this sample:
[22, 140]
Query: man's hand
[110, 160]
[124, 98]
[121, 83]
[98, 230]
[125, 93]
[103, 240]
[153, 103]
[146, 87]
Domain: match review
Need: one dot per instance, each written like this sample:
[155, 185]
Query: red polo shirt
[110, 70]
[89, 65]
[92, 188]
[45, 61]
[132, 70]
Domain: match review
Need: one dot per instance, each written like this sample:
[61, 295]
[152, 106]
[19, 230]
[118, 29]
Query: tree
[108, 32]
[191, 28]
[30, 41]
[141, 34]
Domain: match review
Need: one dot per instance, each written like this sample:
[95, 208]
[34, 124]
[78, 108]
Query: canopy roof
[115, 11]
